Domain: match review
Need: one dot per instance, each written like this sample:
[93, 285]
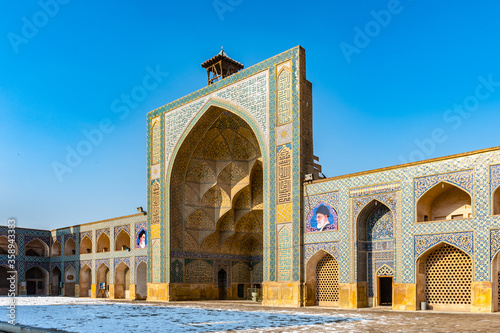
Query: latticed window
[385, 271]
[327, 280]
[448, 276]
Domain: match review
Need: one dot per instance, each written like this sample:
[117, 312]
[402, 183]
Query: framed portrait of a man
[322, 218]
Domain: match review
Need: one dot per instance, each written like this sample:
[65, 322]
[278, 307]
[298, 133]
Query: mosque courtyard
[95, 315]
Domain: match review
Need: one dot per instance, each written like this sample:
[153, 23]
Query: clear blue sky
[62, 69]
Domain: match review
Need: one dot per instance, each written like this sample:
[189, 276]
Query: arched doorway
[444, 278]
[103, 243]
[70, 247]
[85, 281]
[103, 279]
[216, 203]
[322, 280]
[222, 284]
[374, 233]
[384, 282]
[56, 280]
[36, 248]
[5, 282]
[122, 281]
[444, 201]
[122, 242]
[70, 281]
[85, 245]
[56, 249]
[141, 281]
[37, 281]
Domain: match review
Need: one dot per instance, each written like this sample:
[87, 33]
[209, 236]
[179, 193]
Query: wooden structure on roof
[221, 66]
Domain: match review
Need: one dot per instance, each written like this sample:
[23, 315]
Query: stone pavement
[381, 319]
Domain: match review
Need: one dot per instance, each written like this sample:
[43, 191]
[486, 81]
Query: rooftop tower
[220, 66]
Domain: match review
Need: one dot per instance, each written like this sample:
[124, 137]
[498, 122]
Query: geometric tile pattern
[176, 270]
[156, 258]
[284, 213]
[101, 231]
[331, 248]
[68, 236]
[87, 234]
[251, 90]
[379, 247]
[56, 239]
[99, 262]
[156, 151]
[122, 227]
[199, 271]
[23, 262]
[257, 274]
[462, 240]
[125, 260]
[284, 114]
[385, 271]
[250, 94]
[327, 280]
[29, 238]
[463, 179]
[86, 262]
[470, 172]
[140, 259]
[495, 177]
[448, 276]
[387, 210]
[155, 231]
[76, 233]
[297, 151]
[284, 254]
[214, 256]
[494, 243]
[241, 272]
[380, 224]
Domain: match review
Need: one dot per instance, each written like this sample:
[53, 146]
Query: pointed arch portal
[216, 198]
[444, 278]
[375, 237]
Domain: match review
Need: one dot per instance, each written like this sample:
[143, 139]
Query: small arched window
[56, 249]
[85, 245]
[122, 241]
[36, 248]
[444, 201]
[496, 201]
[103, 243]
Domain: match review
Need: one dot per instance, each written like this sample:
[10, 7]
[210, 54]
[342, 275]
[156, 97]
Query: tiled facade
[271, 98]
[274, 97]
[75, 262]
[228, 207]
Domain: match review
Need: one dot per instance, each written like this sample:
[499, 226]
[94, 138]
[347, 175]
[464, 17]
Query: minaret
[221, 66]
